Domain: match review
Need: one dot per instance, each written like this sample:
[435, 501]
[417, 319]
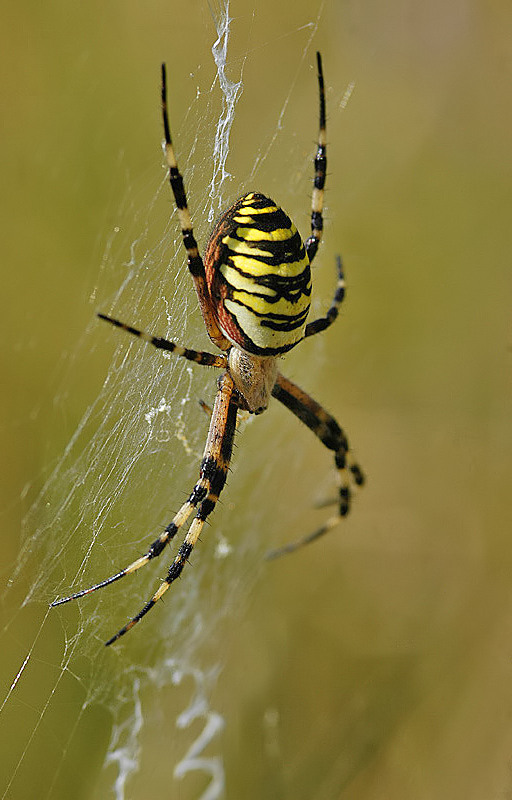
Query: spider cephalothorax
[254, 289]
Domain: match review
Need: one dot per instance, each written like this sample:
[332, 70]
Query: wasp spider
[254, 288]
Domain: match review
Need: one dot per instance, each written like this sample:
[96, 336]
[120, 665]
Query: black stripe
[214, 473]
[281, 284]
[159, 544]
[205, 509]
[321, 90]
[340, 457]
[257, 200]
[283, 326]
[344, 501]
[252, 347]
[296, 319]
[176, 567]
[167, 132]
[319, 180]
[263, 315]
[312, 247]
[273, 220]
[328, 430]
[195, 266]
[279, 294]
[218, 480]
[226, 447]
[317, 326]
[184, 551]
[358, 474]
[177, 187]
[208, 467]
[189, 239]
[163, 344]
[206, 359]
[288, 250]
[197, 494]
[317, 220]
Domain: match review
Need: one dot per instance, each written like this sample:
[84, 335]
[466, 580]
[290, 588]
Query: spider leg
[156, 548]
[320, 162]
[208, 410]
[199, 356]
[332, 436]
[195, 262]
[322, 323]
[242, 417]
[214, 468]
[209, 480]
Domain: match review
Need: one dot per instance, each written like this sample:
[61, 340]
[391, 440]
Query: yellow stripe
[136, 565]
[243, 248]
[159, 592]
[290, 269]
[277, 235]
[195, 529]
[248, 209]
[317, 201]
[170, 155]
[184, 512]
[261, 336]
[184, 218]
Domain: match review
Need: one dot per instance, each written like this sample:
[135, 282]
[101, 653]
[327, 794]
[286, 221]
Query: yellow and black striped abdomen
[258, 276]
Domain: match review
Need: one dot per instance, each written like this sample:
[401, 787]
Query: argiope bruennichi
[254, 288]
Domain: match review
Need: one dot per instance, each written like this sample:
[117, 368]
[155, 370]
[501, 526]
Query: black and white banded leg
[198, 356]
[332, 436]
[194, 259]
[320, 163]
[322, 323]
[212, 477]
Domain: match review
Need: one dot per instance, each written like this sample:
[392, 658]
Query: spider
[253, 287]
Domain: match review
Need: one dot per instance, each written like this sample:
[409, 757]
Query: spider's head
[254, 377]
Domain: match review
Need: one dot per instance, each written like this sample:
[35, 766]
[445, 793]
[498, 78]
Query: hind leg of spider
[198, 356]
[158, 545]
[322, 323]
[211, 476]
[214, 468]
[332, 436]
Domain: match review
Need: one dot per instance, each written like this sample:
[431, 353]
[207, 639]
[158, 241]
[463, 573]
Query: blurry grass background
[376, 664]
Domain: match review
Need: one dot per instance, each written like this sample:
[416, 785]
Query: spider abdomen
[258, 276]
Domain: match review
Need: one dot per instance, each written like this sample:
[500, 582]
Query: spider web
[137, 446]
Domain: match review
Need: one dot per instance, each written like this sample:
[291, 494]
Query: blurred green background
[376, 664]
